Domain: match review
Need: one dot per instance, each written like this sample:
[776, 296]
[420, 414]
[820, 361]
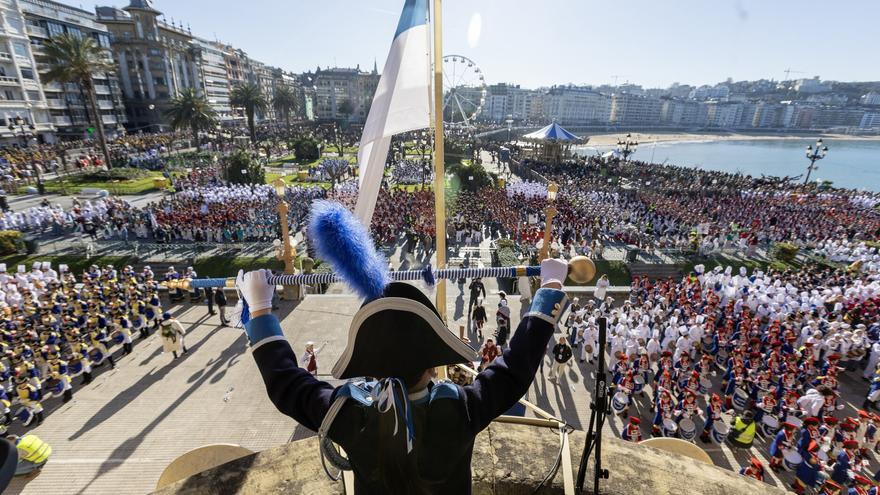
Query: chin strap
[387, 400]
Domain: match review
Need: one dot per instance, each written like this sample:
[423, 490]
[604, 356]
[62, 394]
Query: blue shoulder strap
[443, 390]
[360, 391]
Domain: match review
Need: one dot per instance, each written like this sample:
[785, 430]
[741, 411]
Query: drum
[75, 367]
[53, 387]
[687, 429]
[588, 349]
[720, 430]
[795, 421]
[740, 398]
[25, 415]
[117, 337]
[669, 428]
[705, 385]
[150, 314]
[721, 359]
[619, 402]
[791, 460]
[769, 425]
[639, 382]
[96, 356]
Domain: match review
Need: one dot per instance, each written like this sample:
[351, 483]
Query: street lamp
[627, 146]
[509, 122]
[549, 213]
[815, 155]
[285, 248]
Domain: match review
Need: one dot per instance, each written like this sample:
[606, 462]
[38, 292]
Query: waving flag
[402, 101]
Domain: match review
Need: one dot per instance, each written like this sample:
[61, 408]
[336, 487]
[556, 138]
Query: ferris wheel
[464, 91]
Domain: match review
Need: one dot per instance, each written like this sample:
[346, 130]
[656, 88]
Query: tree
[285, 103]
[73, 59]
[241, 168]
[190, 111]
[250, 98]
[306, 149]
[345, 108]
[471, 177]
[334, 169]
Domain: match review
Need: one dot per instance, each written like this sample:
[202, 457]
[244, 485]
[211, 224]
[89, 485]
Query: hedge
[10, 242]
[785, 252]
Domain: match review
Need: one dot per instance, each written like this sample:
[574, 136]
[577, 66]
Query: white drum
[669, 428]
[619, 402]
[769, 425]
[687, 429]
[740, 398]
[720, 430]
[705, 385]
[796, 421]
[639, 382]
[791, 460]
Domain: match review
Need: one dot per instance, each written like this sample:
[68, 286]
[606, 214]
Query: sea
[850, 163]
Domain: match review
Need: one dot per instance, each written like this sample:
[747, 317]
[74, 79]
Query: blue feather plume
[343, 241]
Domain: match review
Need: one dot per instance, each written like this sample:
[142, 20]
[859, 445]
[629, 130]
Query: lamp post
[627, 146]
[815, 155]
[509, 123]
[549, 213]
[286, 251]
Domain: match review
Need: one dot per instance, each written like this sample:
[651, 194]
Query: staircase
[655, 270]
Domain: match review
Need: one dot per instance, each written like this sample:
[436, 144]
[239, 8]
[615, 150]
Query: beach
[610, 139]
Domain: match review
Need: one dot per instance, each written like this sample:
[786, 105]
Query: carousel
[551, 144]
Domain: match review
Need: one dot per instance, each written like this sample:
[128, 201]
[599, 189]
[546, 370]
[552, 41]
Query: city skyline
[743, 40]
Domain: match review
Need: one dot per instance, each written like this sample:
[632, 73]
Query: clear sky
[543, 42]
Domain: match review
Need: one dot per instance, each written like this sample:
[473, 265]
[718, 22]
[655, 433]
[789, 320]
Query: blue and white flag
[402, 102]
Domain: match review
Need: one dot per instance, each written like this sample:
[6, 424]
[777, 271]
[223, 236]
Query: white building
[22, 101]
[813, 85]
[573, 105]
[872, 98]
[69, 109]
[633, 109]
[214, 79]
[871, 120]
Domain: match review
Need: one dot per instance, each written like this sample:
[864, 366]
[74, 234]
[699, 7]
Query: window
[75, 32]
[20, 49]
[33, 95]
[27, 73]
[55, 29]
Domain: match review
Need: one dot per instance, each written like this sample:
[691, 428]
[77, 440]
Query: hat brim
[399, 335]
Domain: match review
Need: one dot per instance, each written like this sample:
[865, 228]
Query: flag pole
[439, 165]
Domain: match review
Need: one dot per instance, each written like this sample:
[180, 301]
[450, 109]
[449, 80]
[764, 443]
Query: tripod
[599, 409]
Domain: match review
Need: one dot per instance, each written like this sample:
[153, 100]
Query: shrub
[122, 173]
[785, 252]
[10, 242]
[240, 168]
[306, 150]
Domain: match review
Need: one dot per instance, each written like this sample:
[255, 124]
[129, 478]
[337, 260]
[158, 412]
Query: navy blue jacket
[444, 430]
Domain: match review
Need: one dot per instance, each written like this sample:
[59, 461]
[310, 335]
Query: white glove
[255, 289]
[553, 270]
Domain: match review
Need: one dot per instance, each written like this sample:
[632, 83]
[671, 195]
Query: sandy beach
[610, 139]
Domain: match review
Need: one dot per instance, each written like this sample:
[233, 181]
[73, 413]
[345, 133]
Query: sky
[544, 42]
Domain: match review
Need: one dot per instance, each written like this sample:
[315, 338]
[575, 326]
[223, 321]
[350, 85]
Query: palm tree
[285, 103]
[250, 98]
[73, 59]
[190, 110]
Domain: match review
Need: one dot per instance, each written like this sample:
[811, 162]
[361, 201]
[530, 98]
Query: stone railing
[508, 459]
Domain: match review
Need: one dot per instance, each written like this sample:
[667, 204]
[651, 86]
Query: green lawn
[228, 266]
[73, 185]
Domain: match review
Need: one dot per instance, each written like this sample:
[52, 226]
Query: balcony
[55, 103]
[109, 119]
[5, 56]
[62, 121]
[37, 31]
[105, 105]
[102, 89]
[8, 81]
